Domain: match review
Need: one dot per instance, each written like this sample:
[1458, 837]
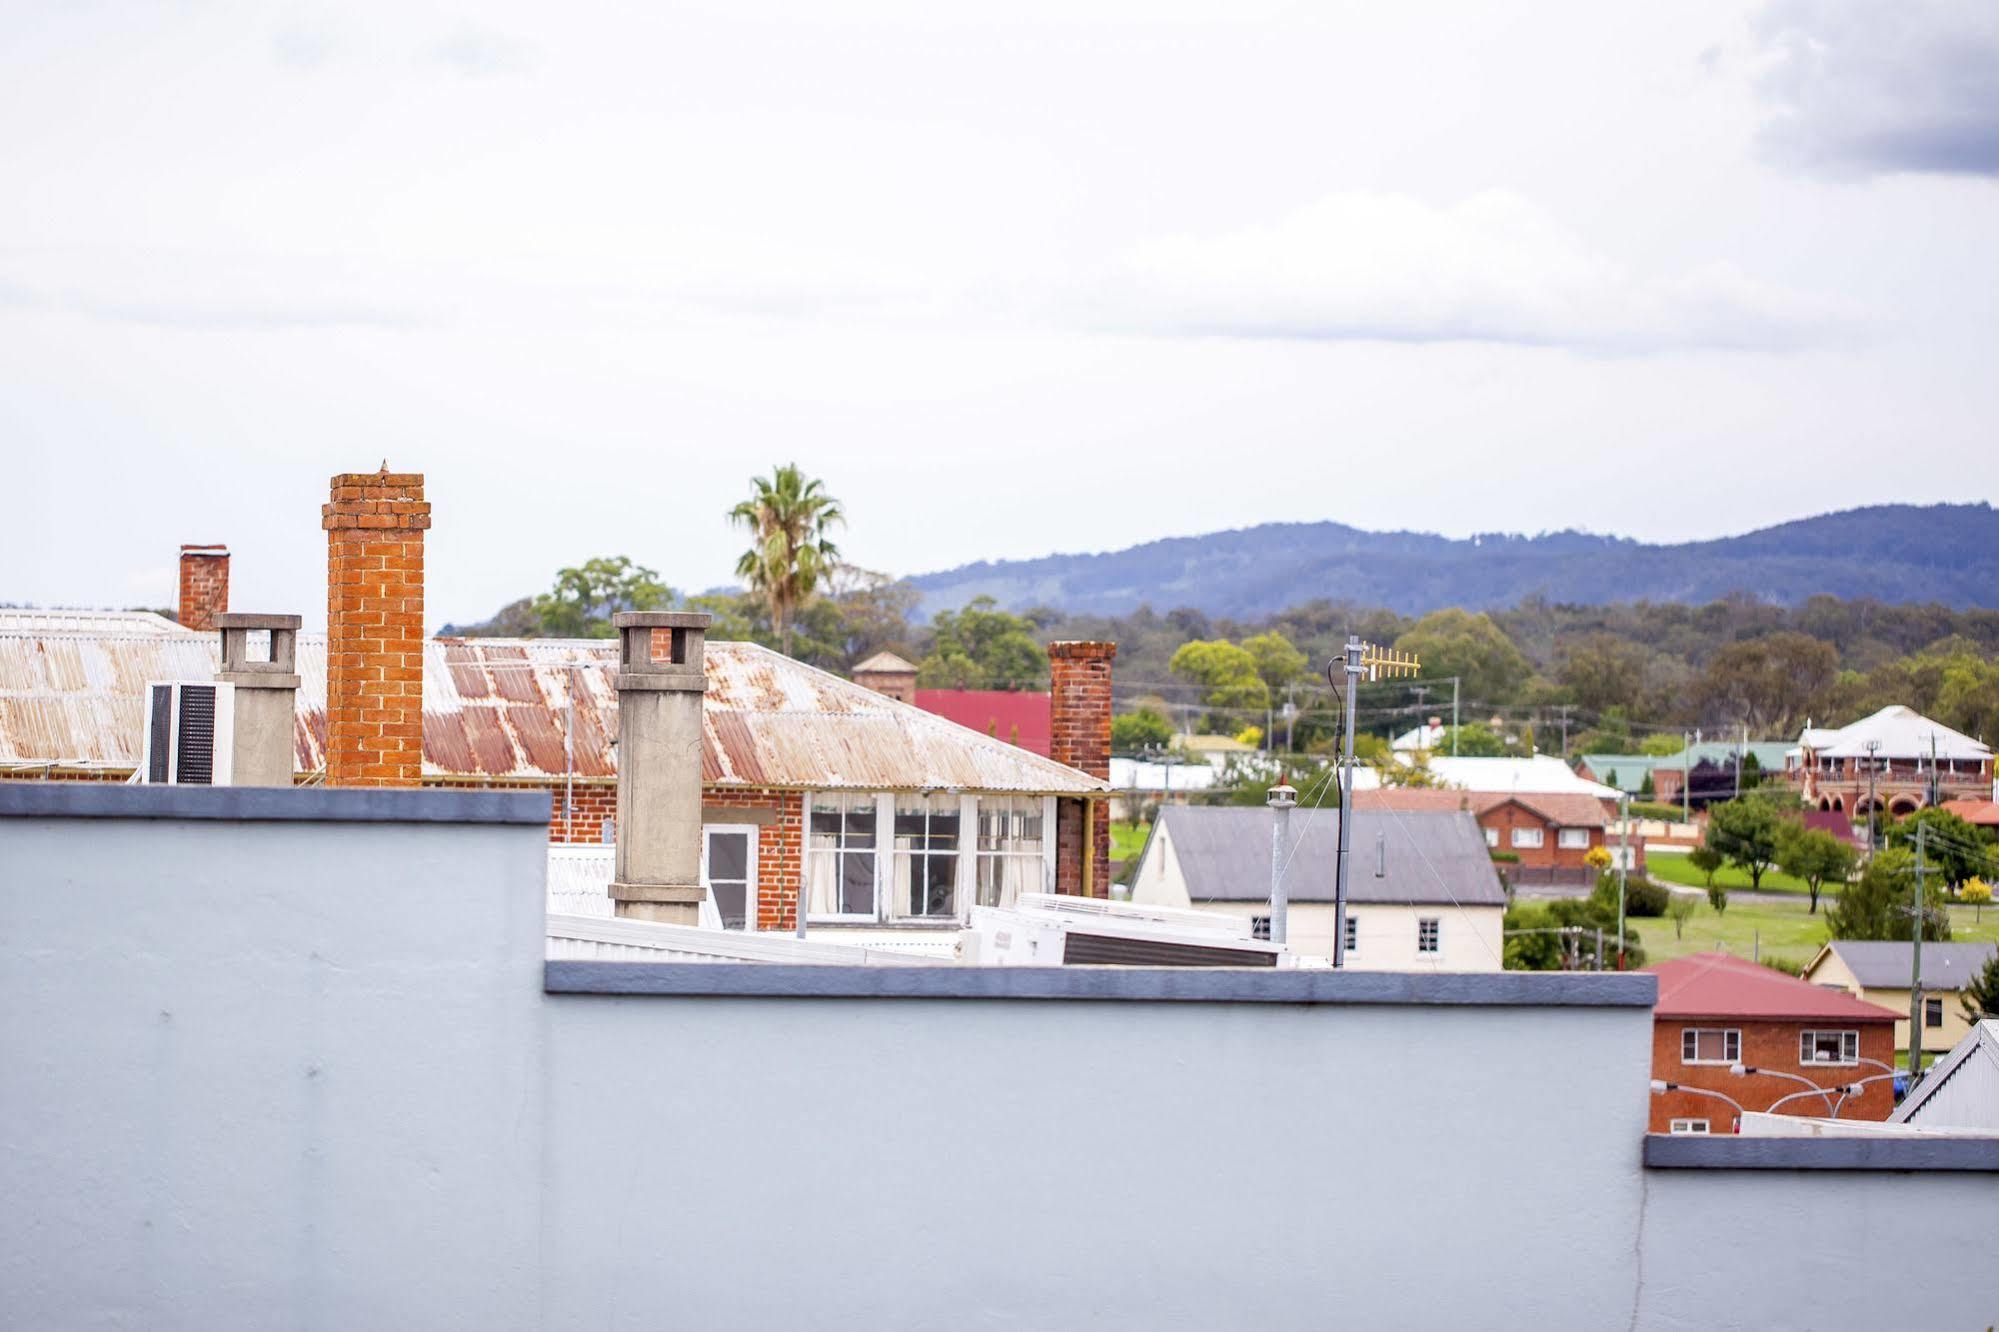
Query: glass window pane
[728, 856]
[730, 901]
[857, 884]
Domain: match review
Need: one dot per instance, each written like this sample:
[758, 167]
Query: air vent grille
[195, 763]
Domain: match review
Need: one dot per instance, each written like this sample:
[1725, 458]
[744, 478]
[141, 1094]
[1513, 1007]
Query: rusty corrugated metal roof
[499, 709]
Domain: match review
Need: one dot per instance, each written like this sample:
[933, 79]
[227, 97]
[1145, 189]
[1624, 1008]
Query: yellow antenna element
[1388, 664]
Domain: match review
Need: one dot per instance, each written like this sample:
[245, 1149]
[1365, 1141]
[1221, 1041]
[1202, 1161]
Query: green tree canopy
[1278, 663]
[788, 515]
[1474, 740]
[1768, 684]
[1953, 847]
[1746, 833]
[1980, 999]
[1226, 673]
[1140, 729]
[1814, 855]
[1880, 904]
[1603, 671]
[585, 598]
[1470, 646]
[982, 647]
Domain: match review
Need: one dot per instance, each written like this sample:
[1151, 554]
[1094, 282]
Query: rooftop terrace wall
[293, 1058]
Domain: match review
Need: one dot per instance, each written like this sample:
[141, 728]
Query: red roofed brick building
[1550, 833]
[1717, 1012]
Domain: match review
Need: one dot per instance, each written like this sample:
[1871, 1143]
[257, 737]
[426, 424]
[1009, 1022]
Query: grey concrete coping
[264, 804]
[1515, 989]
[256, 620]
[1699, 1151]
[661, 619]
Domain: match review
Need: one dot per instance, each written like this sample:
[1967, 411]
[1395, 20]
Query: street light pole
[1917, 920]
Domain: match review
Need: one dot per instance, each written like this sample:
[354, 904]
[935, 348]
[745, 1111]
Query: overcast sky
[1047, 276]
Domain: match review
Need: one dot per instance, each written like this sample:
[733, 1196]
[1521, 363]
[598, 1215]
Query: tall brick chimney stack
[204, 586]
[374, 628]
[1080, 721]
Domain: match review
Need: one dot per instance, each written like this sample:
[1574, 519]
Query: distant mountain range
[1946, 553]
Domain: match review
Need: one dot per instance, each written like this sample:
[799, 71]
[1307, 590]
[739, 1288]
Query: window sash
[1429, 931]
[1353, 935]
[1710, 1045]
[841, 861]
[1492, 837]
[1695, 1126]
[1828, 1047]
[1572, 838]
[1012, 840]
[1527, 838]
[926, 834]
[1259, 927]
[1932, 1011]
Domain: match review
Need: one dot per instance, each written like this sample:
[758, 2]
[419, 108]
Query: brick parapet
[204, 586]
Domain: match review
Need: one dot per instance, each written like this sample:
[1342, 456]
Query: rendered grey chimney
[266, 693]
[660, 682]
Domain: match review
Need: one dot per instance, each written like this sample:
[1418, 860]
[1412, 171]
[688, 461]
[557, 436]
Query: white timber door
[729, 870]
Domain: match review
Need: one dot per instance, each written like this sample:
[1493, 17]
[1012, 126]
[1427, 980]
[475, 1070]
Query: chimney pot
[266, 696]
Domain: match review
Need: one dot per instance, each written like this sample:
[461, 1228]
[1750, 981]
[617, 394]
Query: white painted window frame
[1564, 836]
[881, 855]
[1492, 838]
[1729, 1036]
[885, 895]
[1520, 836]
[1353, 932]
[1697, 1127]
[884, 805]
[1436, 924]
[750, 894]
[1848, 1037]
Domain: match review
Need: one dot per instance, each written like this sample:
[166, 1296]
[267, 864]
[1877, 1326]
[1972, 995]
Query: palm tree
[789, 516]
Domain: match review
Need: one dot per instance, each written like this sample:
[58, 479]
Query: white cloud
[478, 52]
[1492, 268]
[1860, 88]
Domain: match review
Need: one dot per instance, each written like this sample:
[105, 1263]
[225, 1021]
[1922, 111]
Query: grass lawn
[1784, 928]
[1672, 867]
[1128, 839]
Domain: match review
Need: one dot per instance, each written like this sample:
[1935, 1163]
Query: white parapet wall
[295, 1058]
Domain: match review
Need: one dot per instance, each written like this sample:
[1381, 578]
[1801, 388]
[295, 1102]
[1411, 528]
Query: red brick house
[1718, 1013]
[1551, 834]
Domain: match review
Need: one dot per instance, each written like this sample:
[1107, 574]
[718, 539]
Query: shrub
[1642, 897]
[1504, 857]
[1649, 809]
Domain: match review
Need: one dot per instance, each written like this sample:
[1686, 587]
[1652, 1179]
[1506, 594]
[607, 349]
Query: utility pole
[1686, 777]
[1741, 749]
[1454, 716]
[1421, 692]
[1360, 659]
[1564, 709]
[1918, 921]
[1283, 799]
[1873, 747]
[1623, 860]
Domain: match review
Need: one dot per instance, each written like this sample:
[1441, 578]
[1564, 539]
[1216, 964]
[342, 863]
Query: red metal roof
[1717, 985]
[1834, 822]
[1012, 715]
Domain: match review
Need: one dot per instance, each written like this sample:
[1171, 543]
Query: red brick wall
[204, 586]
[1080, 736]
[374, 627]
[1771, 1045]
[1507, 816]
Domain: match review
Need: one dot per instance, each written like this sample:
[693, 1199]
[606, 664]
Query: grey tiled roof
[1429, 856]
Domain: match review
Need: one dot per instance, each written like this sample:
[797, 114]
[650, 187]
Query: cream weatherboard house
[1422, 892]
[1878, 971]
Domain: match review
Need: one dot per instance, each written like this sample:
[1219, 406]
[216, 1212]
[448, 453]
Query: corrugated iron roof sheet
[501, 709]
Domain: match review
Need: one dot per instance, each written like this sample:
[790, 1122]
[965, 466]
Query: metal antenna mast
[1361, 659]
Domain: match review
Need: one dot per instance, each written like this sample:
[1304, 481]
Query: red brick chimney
[204, 586]
[374, 628]
[1079, 706]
